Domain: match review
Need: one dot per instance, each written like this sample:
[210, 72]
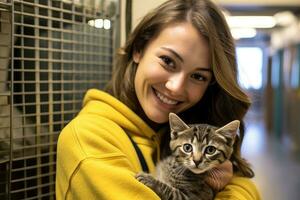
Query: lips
[165, 99]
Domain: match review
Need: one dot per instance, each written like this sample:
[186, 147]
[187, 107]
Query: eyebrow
[173, 52]
[205, 69]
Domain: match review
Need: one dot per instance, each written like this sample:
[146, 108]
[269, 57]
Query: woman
[180, 58]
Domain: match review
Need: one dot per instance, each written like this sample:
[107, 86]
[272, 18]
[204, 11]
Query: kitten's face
[201, 147]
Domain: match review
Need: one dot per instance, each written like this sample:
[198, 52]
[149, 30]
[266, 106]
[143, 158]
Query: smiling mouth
[165, 99]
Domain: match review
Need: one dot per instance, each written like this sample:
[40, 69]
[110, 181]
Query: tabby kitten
[195, 149]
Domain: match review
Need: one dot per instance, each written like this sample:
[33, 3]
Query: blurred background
[52, 51]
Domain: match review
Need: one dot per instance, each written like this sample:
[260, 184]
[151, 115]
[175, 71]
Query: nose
[197, 158]
[176, 83]
[197, 162]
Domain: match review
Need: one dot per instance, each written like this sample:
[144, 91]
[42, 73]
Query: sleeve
[95, 162]
[106, 180]
[239, 188]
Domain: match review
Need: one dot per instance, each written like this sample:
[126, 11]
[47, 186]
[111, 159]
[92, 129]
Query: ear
[230, 130]
[136, 56]
[176, 124]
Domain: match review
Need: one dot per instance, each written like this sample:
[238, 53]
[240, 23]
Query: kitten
[195, 149]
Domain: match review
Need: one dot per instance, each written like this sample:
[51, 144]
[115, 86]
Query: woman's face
[173, 71]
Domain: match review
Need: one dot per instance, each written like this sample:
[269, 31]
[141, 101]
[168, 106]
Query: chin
[159, 121]
[197, 171]
[158, 118]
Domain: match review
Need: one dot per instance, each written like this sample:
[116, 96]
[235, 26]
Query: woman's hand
[218, 177]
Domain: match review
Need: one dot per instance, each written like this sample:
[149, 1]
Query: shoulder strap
[140, 155]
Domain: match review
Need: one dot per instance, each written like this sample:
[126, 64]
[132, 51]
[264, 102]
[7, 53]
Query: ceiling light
[100, 23]
[251, 21]
[238, 33]
[106, 24]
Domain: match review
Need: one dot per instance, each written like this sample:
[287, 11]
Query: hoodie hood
[103, 104]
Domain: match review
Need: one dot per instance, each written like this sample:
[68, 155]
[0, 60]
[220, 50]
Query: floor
[277, 170]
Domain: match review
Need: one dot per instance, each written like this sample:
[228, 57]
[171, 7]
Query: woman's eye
[198, 77]
[210, 150]
[188, 148]
[168, 61]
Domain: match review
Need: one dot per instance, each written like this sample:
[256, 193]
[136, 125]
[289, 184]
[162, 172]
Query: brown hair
[224, 100]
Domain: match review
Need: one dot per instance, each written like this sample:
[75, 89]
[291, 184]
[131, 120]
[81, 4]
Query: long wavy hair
[224, 100]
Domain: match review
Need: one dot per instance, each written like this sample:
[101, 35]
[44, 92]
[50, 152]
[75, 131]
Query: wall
[140, 8]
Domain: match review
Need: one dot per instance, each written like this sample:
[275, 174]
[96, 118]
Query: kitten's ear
[176, 124]
[230, 130]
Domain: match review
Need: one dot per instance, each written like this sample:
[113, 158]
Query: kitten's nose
[197, 162]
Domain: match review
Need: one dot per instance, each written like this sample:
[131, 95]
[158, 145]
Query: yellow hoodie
[96, 159]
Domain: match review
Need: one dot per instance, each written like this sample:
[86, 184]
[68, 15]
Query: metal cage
[51, 52]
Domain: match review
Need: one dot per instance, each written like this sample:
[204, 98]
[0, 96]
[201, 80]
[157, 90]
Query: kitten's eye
[188, 148]
[168, 62]
[210, 150]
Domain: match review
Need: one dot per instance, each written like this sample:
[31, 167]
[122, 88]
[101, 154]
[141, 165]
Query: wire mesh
[57, 54]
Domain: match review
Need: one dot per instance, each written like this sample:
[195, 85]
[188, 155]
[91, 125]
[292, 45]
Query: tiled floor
[277, 170]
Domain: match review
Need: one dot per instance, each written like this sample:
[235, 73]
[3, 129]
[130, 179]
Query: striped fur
[195, 149]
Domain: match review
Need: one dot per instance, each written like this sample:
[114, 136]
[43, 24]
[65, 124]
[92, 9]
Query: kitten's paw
[145, 178]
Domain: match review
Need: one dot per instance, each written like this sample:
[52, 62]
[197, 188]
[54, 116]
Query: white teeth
[165, 99]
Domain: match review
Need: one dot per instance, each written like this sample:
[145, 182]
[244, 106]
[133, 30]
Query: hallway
[277, 170]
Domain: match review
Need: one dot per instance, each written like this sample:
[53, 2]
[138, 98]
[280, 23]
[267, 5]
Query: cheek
[148, 70]
[151, 75]
[154, 75]
[141, 75]
[137, 81]
[186, 159]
